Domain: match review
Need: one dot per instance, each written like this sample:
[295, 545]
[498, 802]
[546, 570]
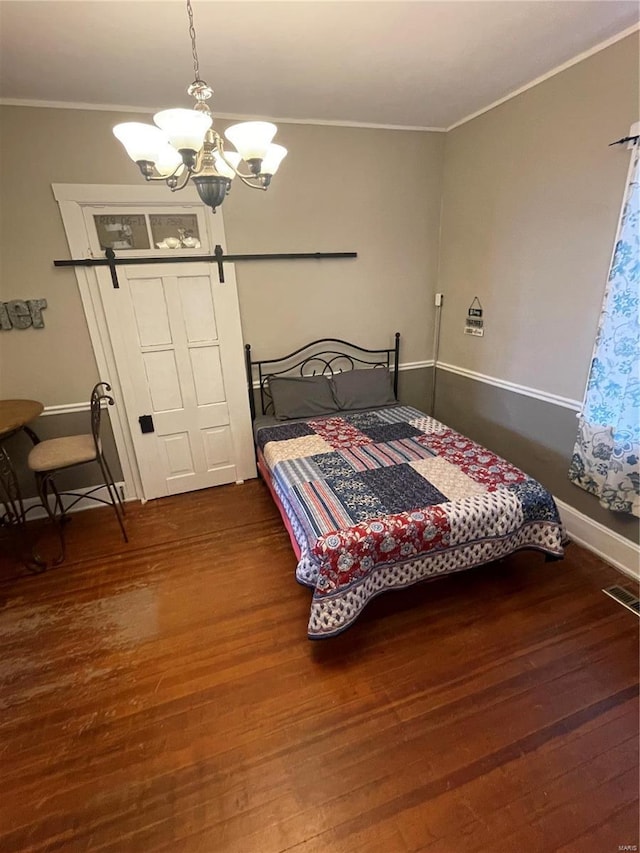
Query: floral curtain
[605, 459]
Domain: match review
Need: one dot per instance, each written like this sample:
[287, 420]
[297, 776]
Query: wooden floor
[164, 696]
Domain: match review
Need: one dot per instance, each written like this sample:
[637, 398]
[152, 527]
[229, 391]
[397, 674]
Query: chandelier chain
[194, 49]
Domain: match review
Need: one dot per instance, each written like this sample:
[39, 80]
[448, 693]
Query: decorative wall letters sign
[22, 314]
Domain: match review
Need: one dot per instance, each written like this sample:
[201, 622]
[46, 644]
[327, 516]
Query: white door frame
[72, 198]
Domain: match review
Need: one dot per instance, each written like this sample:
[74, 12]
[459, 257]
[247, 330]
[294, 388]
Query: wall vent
[624, 596]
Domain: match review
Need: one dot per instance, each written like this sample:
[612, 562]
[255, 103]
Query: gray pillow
[363, 389]
[301, 396]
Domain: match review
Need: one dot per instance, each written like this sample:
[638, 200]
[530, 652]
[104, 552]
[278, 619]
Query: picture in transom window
[175, 230]
[122, 231]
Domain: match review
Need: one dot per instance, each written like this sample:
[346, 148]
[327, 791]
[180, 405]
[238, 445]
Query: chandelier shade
[272, 159]
[251, 138]
[184, 146]
[185, 129]
[142, 142]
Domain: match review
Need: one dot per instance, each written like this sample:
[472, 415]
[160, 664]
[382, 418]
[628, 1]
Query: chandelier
[183, 145]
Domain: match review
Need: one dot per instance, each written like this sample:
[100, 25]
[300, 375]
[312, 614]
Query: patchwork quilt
[383, 499]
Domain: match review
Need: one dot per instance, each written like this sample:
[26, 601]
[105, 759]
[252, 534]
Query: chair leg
[113, 494]
[112, 482]
[58, 500]
[46, 486]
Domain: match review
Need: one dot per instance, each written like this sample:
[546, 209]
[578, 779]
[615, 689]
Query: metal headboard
[317, 359]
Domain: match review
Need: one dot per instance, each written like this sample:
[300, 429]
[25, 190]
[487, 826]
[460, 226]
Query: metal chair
[49, 457]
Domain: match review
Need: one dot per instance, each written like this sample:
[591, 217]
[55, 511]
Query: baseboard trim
[536, 393]
[38, 510]
[621, 553]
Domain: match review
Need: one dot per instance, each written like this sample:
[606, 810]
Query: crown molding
[557, 70]
[75, 105]
[329, 123]
[127, 108]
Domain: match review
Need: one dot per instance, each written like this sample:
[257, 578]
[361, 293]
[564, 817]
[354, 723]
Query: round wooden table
[16, 414]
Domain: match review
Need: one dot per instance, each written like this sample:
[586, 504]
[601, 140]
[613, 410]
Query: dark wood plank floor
[164, 696]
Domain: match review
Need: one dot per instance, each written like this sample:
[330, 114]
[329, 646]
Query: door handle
[146, 423]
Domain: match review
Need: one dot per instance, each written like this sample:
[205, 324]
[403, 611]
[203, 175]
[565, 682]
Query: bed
[376, 495]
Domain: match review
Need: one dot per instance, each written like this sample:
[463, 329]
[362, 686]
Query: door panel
[217, 446]
[150, 311]
[207, 375]
[163, 380]
[179, 457]
[197, 308]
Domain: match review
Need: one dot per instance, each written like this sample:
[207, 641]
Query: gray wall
[536, 436]
[531, 199]
[414, 387]
[333, 193]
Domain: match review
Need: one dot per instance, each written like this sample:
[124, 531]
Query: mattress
[386, 498]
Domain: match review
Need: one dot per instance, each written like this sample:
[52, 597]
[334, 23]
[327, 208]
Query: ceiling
[409, 64]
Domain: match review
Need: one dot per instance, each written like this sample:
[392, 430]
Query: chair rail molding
[416, 365]
[66, 409]
[537, 393]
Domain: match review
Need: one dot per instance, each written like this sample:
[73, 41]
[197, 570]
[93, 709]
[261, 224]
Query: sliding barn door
[175, 333]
